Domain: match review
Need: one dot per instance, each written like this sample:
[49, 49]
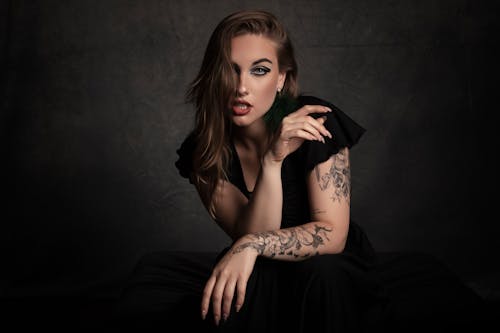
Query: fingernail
[329, 110]
[224, 317]
[238, 307]
[203, 314]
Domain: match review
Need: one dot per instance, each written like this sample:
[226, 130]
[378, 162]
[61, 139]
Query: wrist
[248, 245]
[269, 161]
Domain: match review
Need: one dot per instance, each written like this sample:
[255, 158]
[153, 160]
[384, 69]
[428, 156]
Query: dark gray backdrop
[93, 111]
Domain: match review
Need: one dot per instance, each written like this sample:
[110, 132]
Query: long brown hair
[216, 85]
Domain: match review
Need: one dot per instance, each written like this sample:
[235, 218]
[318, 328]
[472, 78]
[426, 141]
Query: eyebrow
[262, 60]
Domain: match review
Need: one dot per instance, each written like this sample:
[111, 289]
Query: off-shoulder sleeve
[185, 157]
[345, 131]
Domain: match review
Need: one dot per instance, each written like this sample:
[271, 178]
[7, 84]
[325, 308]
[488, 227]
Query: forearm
[295, 243]
[264, 209]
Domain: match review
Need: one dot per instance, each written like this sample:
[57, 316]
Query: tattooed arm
[295, 243]
[329, 185]
[329, 192]
[230, 275]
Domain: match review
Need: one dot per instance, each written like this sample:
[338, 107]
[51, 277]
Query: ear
[281, 80]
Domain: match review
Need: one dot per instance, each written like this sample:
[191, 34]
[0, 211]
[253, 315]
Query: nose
[242, 87]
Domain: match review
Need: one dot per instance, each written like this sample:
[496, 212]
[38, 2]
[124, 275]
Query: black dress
[327, 293]
[358, 290]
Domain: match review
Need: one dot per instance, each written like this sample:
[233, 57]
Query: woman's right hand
[229, 278]
[297, 127]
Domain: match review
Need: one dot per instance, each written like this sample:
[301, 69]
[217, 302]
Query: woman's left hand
[230, 275]
[297, 127]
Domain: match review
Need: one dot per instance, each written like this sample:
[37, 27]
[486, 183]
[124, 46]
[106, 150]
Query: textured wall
[93, 112]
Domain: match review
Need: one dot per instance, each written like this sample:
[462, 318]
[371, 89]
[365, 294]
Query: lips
[241, 107]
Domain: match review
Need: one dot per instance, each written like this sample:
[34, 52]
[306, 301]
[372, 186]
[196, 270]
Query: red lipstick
[241, 107]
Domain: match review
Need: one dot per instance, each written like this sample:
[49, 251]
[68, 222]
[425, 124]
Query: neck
[253, 137]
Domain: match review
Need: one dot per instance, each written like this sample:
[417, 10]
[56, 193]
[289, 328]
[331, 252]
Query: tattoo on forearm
[297, 242]
[338, 177]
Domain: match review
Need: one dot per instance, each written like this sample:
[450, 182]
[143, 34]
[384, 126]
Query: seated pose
[272, 168]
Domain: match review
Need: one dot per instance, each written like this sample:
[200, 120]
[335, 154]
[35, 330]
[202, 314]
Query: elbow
[337, 243]
[335, 246]
[339, 246]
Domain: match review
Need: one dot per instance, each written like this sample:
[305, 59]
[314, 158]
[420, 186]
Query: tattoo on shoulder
[288, 241]
[338, 177]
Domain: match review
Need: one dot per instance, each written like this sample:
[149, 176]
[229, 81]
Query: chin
[246, 120]
[237, 121]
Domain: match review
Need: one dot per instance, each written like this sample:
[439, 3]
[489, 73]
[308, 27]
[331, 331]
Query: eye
[260, 71]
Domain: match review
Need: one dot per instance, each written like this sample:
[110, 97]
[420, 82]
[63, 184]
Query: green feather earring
[283, 105]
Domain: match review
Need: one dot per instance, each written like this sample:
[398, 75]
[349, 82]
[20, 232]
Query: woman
[272, 168]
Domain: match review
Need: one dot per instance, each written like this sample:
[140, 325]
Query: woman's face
[255, 62]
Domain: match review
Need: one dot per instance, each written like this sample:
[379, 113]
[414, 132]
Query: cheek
[268, 93]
